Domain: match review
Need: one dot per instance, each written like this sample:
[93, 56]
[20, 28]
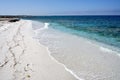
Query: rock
[14, 20]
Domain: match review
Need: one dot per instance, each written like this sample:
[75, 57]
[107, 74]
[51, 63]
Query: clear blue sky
[59, 7]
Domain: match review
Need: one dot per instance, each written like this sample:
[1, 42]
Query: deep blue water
[105, 29]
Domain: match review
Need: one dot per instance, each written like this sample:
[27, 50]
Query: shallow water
[87, 59]
[105, 29]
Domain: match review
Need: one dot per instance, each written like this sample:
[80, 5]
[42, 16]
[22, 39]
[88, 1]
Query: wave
[39, 26]
[105, 49]
[67, 69]
[57, 48]
[46, 25]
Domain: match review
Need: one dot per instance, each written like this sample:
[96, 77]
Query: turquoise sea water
[86, 45]
[105, 29]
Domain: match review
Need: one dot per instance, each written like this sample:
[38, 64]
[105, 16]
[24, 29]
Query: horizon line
[65, 15]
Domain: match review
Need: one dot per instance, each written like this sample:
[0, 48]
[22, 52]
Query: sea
[87, 46]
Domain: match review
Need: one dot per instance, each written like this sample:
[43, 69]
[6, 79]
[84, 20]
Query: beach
[87, 58]
[60, 40]
[32, 50]
[24, 58]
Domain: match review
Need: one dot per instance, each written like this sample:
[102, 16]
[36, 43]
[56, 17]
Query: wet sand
[24, 58]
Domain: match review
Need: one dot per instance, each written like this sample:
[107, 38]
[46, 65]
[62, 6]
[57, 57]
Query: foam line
[43, 28]
[46, 25]
[70, 71]
[49, 53]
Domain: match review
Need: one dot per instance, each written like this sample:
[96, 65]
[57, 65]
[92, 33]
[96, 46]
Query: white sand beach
[23, 58]
[87, 58]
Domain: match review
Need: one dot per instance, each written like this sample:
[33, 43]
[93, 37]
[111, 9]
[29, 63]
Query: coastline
[89, 60]
[22, 57]
[25, 58]
[93, 62]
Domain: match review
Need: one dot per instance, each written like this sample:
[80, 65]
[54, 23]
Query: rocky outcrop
[10, 19]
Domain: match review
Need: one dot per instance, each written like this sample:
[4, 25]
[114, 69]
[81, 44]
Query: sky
[59, 7]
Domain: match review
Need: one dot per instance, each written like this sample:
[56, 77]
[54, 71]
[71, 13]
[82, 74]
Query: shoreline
[101, 60]
[107, 47]
[24, 58]
[49, 53]
[68, 70]
[102, 46]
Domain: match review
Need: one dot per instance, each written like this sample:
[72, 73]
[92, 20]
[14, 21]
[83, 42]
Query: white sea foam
[48, 38]
[70, 71]
[46, 25]
[105, 49]
[109, 50]
[36, 31]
